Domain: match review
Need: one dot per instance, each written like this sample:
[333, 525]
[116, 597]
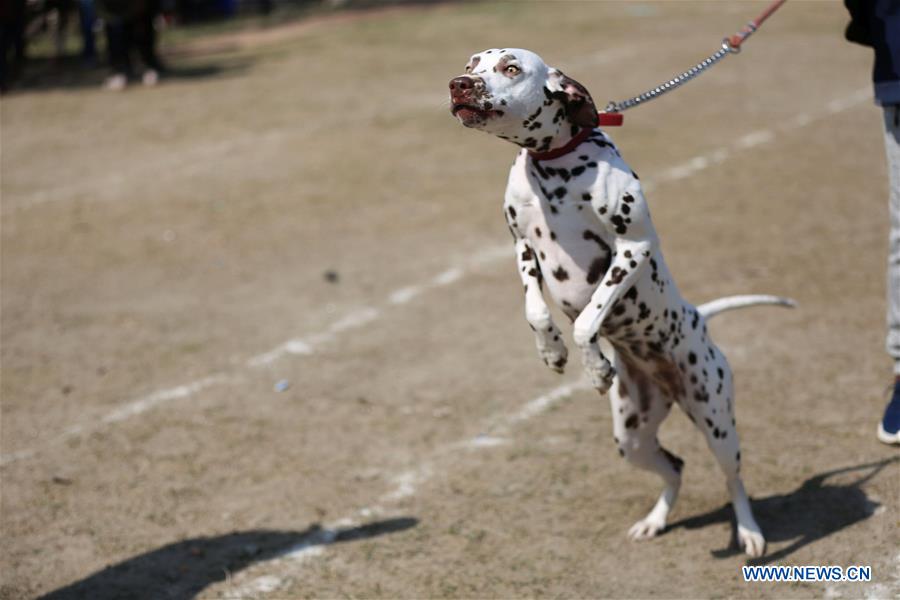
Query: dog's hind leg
[711, 407]
[638, 408]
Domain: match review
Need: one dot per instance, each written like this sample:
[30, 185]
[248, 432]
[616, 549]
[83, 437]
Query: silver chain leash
[678, 80]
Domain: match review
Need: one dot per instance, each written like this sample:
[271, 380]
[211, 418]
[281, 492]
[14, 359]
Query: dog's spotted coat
[582, 228]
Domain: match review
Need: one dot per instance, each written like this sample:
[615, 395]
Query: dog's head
[513, 94]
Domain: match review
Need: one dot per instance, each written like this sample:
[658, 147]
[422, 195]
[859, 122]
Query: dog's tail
[714, 307]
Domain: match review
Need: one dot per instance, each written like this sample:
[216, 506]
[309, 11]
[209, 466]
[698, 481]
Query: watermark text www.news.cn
[807, 573]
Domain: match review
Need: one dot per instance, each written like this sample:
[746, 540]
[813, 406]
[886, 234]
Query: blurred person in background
[876, 23]
[12, 40]
[226, 7]
[87, 17]
[59, 12]
[129, 26]
[63, 10]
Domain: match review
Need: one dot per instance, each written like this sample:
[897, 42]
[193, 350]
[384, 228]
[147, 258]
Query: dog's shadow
[182, 570]
[813, 511]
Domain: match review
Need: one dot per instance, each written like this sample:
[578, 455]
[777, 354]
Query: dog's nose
[461, 84]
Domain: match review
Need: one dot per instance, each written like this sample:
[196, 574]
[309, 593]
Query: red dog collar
[609, 119]
[563, 150]
[604, 119]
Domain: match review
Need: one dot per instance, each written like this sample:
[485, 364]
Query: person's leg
[62, 26]
[6, 42]
[117, 44]
[18, 33]
[889, 430]
[87, 18]
[892, 142]
[145, 39]
[12, 44]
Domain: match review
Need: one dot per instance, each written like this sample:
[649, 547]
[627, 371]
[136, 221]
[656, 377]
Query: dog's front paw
[554, 353]
[753, 542]
[600, 371]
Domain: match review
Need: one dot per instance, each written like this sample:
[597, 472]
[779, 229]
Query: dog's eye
[512, 70]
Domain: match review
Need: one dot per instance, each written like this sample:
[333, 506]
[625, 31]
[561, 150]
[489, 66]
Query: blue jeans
[892, 145]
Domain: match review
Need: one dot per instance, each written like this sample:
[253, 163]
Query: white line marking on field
[18, 455]
[841, 104]
[151, 401]
[124, 413]
[296, 347]
[404, 295]
[542, 403]
[305, 346]
[756, 138]
[113, 183]
[801, 120]
[405, 485]
[448, 277]
[486, 441]
[293, 347]
[355, 319]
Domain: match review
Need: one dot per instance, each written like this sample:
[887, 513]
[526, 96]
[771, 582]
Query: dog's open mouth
[470, 115]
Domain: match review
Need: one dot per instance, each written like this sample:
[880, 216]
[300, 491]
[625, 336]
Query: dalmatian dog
[581, 226]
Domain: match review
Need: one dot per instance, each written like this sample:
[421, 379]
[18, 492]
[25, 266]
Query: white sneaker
[150, 78]
[885, 437]
[115, 83]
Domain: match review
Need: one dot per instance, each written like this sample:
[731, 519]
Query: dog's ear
[580, 108]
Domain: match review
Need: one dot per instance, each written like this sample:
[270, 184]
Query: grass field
[297, 208]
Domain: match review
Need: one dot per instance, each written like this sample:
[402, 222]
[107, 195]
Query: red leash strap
[737, 39]
[611, 116]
